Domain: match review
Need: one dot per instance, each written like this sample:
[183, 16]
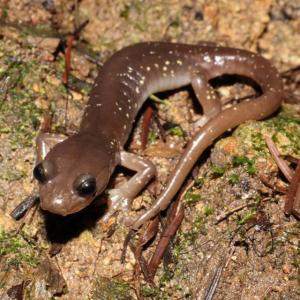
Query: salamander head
[74, 172]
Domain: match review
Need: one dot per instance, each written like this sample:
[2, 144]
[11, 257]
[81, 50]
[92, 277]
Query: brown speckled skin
[124, 83]
[133, 73]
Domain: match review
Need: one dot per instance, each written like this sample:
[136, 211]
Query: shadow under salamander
[61, 229]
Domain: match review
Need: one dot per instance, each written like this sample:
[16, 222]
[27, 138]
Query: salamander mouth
[65, 208]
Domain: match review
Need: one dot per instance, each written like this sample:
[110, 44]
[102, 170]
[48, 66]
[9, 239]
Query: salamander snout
[56, 206]
[65, 204]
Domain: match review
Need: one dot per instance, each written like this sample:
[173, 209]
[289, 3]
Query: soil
[255, 249]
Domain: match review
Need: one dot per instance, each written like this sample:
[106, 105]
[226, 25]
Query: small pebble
[286, 269]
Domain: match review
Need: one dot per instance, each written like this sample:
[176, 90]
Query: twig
[141, 262]
[282, 165]
[69, 44]
[217, 276]
[160, 127]
[55, 249]
[174, 220]
[46, 123]
[225, 215]
[290, 71]
[36, 206]
[296, 205]
[292, 159]
[146, 126]
[167, 235]
[149, 231]
[292, 191]
[128, 238]
[70, 39]
[97, 257]
[261, 253]
[274, 187]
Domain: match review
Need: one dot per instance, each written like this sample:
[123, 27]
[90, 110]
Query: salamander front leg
[121, 198]
[206, 96]
[45, 142]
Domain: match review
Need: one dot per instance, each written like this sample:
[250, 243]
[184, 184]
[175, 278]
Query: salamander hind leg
[206, 96]
[121, 198]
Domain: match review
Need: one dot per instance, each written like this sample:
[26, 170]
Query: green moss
[197, 228]
[17, 104]
[176, 131]
[190, 237]
[234, 179]
[155, 99]
[138, 9]
[83, 86]
[124, 13]
[16, 250]
[25, 83]
[191, 197]
[152, 136]
[176, 22]
[4, 14]
[199, 182]
[208, 211]
[147, 291]
[218, 170]
[284, 130]
[160, 291]
[251, 169]
[239, 160]
[154, 293]
[243, 160]
[111, 289]
[39, 30]
[246, 217]
[12, 174]
[296, 261]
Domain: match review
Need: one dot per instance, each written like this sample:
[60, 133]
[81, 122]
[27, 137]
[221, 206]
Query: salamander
[73, 171]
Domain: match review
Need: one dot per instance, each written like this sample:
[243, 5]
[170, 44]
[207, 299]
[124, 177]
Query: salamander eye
[43, 171]
[85, 185]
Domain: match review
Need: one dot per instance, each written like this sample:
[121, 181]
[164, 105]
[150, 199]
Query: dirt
[254, 249]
